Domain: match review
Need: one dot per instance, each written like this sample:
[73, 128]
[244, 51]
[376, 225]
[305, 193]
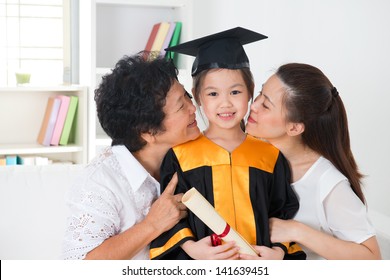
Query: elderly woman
[115, 208]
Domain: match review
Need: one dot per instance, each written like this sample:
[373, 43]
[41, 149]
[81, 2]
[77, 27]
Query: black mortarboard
[219, 50]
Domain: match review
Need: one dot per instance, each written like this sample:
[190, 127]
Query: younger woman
[301, 113]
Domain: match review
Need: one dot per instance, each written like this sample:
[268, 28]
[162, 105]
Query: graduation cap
[219, 50]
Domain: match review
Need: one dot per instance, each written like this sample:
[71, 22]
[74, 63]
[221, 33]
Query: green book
[174, 41]
[69, 121]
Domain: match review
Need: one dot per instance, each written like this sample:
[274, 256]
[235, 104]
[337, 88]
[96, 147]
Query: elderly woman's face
[267, 116]
[180, 119]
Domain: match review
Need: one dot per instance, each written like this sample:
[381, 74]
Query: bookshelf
[110, 29]
[21, 114]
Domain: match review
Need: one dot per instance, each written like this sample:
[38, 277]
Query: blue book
[11, 160]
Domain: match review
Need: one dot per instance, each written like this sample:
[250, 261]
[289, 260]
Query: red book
[152, 37]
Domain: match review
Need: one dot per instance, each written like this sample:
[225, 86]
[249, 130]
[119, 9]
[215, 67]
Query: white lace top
[114, 193]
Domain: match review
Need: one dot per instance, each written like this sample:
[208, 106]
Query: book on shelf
[42, 161]
[11, 160]
[152, 37]
[160, 37]
[69, 121]
[45, 122]
[26, 160]
[168, 38]
[49, 121]
[175, 40]
[59, 125]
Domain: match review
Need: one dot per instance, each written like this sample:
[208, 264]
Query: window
[34, 38]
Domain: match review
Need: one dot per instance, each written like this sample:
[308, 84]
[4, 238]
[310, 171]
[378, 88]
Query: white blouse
[114, 193]
[327, 203]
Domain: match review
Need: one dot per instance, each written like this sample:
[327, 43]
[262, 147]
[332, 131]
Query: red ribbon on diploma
[216, 239]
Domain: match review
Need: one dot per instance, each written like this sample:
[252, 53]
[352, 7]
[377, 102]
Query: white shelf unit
[111, 29]
[21, 114]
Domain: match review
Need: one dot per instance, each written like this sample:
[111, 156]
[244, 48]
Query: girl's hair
[246, 75]
[311, 99]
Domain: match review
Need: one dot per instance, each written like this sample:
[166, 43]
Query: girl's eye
[265, 106]
[212, 94]
[235, 92]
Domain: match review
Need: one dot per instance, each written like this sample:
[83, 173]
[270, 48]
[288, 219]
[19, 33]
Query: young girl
[301, 112]
[246, 180]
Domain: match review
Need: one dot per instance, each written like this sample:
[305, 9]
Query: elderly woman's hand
[168, 209]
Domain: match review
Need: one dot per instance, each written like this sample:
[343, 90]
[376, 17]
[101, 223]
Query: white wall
[348, 40]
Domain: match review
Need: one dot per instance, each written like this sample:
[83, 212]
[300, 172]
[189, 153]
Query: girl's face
[224, 98]
[267, 117]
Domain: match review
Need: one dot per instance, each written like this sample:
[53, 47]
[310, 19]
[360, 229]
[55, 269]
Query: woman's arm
[165, 212]
[323, 244]
[284, 205]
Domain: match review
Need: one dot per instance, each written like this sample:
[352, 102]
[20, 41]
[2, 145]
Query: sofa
[32, 210]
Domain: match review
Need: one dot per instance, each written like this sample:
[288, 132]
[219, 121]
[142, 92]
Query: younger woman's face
[267, 116]
[224, 98]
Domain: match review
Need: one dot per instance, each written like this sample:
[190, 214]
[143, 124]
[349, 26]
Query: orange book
[55, 108]
[46, 118]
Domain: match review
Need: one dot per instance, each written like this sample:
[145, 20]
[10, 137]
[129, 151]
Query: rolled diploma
[206, 212]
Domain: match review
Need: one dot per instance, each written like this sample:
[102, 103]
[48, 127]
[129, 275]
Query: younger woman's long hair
[311, 99]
